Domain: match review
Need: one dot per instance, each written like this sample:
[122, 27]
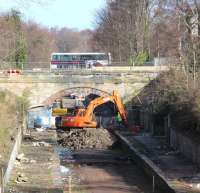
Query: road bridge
[45, 87]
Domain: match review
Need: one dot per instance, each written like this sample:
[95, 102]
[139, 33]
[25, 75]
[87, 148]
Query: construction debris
[33, 161]
[64, 170]
[28, 137]
[20, 157]
[86, 139]
[42, 143]
[40, 129]
[21, 178]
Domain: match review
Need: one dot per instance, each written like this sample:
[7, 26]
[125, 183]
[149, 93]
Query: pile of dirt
[86, 139]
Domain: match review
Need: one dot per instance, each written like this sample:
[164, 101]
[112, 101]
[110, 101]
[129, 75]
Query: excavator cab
[78, 119]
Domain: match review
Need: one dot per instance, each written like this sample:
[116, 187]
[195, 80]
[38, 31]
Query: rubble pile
[21, 159]
[86, 139]
[21, 178]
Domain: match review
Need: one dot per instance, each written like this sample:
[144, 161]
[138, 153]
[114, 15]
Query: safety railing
[44, 68]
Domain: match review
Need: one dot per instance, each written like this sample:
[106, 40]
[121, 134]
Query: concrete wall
[159, 181]
[13, 156]
[157, 68]
[185, 145]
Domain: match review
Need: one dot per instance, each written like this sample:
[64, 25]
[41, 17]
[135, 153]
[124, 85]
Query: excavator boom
[84, 117]
[120, 107]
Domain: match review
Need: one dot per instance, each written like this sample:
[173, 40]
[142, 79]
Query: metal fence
[43, 68]
[46, 64]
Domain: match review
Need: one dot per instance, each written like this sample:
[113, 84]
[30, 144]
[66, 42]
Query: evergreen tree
[19, 55]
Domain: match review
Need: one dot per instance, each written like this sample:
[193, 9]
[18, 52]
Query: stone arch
[83, 90]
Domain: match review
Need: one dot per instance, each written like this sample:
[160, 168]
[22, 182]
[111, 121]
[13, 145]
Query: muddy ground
[115, 174]
[98, 165]
[107, 170]
[109, 178]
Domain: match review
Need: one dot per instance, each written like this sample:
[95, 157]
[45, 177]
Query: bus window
[63, 58]
[66, 58]
[101, 57]
[55, 57]
[75, 57]
[87, 57]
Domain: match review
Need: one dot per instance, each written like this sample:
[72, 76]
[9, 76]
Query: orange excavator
[84, 117]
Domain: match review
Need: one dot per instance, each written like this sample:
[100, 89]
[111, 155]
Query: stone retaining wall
[152, 171]
[185, 145]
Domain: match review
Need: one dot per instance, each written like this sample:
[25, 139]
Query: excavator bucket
[120, 107]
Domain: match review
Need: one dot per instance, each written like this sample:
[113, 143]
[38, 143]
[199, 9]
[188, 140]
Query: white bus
[79, 60]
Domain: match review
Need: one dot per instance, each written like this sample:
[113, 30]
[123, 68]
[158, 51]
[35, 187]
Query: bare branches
[28, 3]
[40, 41]
[161, 28]
[123, 28]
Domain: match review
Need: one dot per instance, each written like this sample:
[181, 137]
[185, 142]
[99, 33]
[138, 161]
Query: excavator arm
[95, 103]
[120, 107]
[115, 98]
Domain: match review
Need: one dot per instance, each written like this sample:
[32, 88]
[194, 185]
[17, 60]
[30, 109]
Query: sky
[79, 14]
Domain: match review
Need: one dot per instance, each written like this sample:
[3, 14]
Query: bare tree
[123, 28]
[189, 14]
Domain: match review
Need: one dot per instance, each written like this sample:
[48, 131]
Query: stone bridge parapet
[45, 87]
